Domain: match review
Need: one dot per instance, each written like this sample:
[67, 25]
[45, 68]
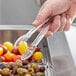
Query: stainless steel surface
[61, 56]
[74, 24]
[57, 45]
[12, 32]
[74, 21]
[15, 27]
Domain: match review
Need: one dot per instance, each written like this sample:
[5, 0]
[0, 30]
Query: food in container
[12, 65]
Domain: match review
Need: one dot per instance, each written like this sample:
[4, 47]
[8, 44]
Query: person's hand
[55, 23]
[64, 12]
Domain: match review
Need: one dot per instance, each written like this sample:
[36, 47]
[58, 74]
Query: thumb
[42, 16]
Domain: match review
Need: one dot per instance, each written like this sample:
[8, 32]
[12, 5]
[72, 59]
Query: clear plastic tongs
[34, 44]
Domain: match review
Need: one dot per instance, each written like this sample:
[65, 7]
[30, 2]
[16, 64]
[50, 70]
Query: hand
[56, 21]
[63, 11]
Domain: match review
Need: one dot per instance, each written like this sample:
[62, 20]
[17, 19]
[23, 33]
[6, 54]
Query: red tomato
[37, 49]
[15, 51]
[17, 57]
[31, 59]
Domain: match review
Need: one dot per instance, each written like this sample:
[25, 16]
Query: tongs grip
[26, 36]
[40, 35]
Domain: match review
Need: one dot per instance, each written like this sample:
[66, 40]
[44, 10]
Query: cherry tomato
[16, 51]
[9, 56]
[17, 57]
[37, 49]
[9, 45]
[37, 56]
[1, 50]
[22, 47]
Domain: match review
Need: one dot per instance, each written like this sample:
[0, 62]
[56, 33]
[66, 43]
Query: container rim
[19, 27]
[15, 27]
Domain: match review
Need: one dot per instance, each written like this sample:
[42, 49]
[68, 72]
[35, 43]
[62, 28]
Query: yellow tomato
[22, 47]
[37, 56]
[9, 56]
[1, 50]
[9, 45]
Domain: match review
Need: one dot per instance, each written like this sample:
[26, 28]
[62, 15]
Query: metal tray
[12, 32]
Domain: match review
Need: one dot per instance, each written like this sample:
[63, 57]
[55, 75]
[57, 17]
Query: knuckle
[39, 16]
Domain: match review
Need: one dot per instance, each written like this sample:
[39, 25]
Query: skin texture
[62, 11]
[74, 1]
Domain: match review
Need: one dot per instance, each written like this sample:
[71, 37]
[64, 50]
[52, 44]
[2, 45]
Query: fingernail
[35, 22]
